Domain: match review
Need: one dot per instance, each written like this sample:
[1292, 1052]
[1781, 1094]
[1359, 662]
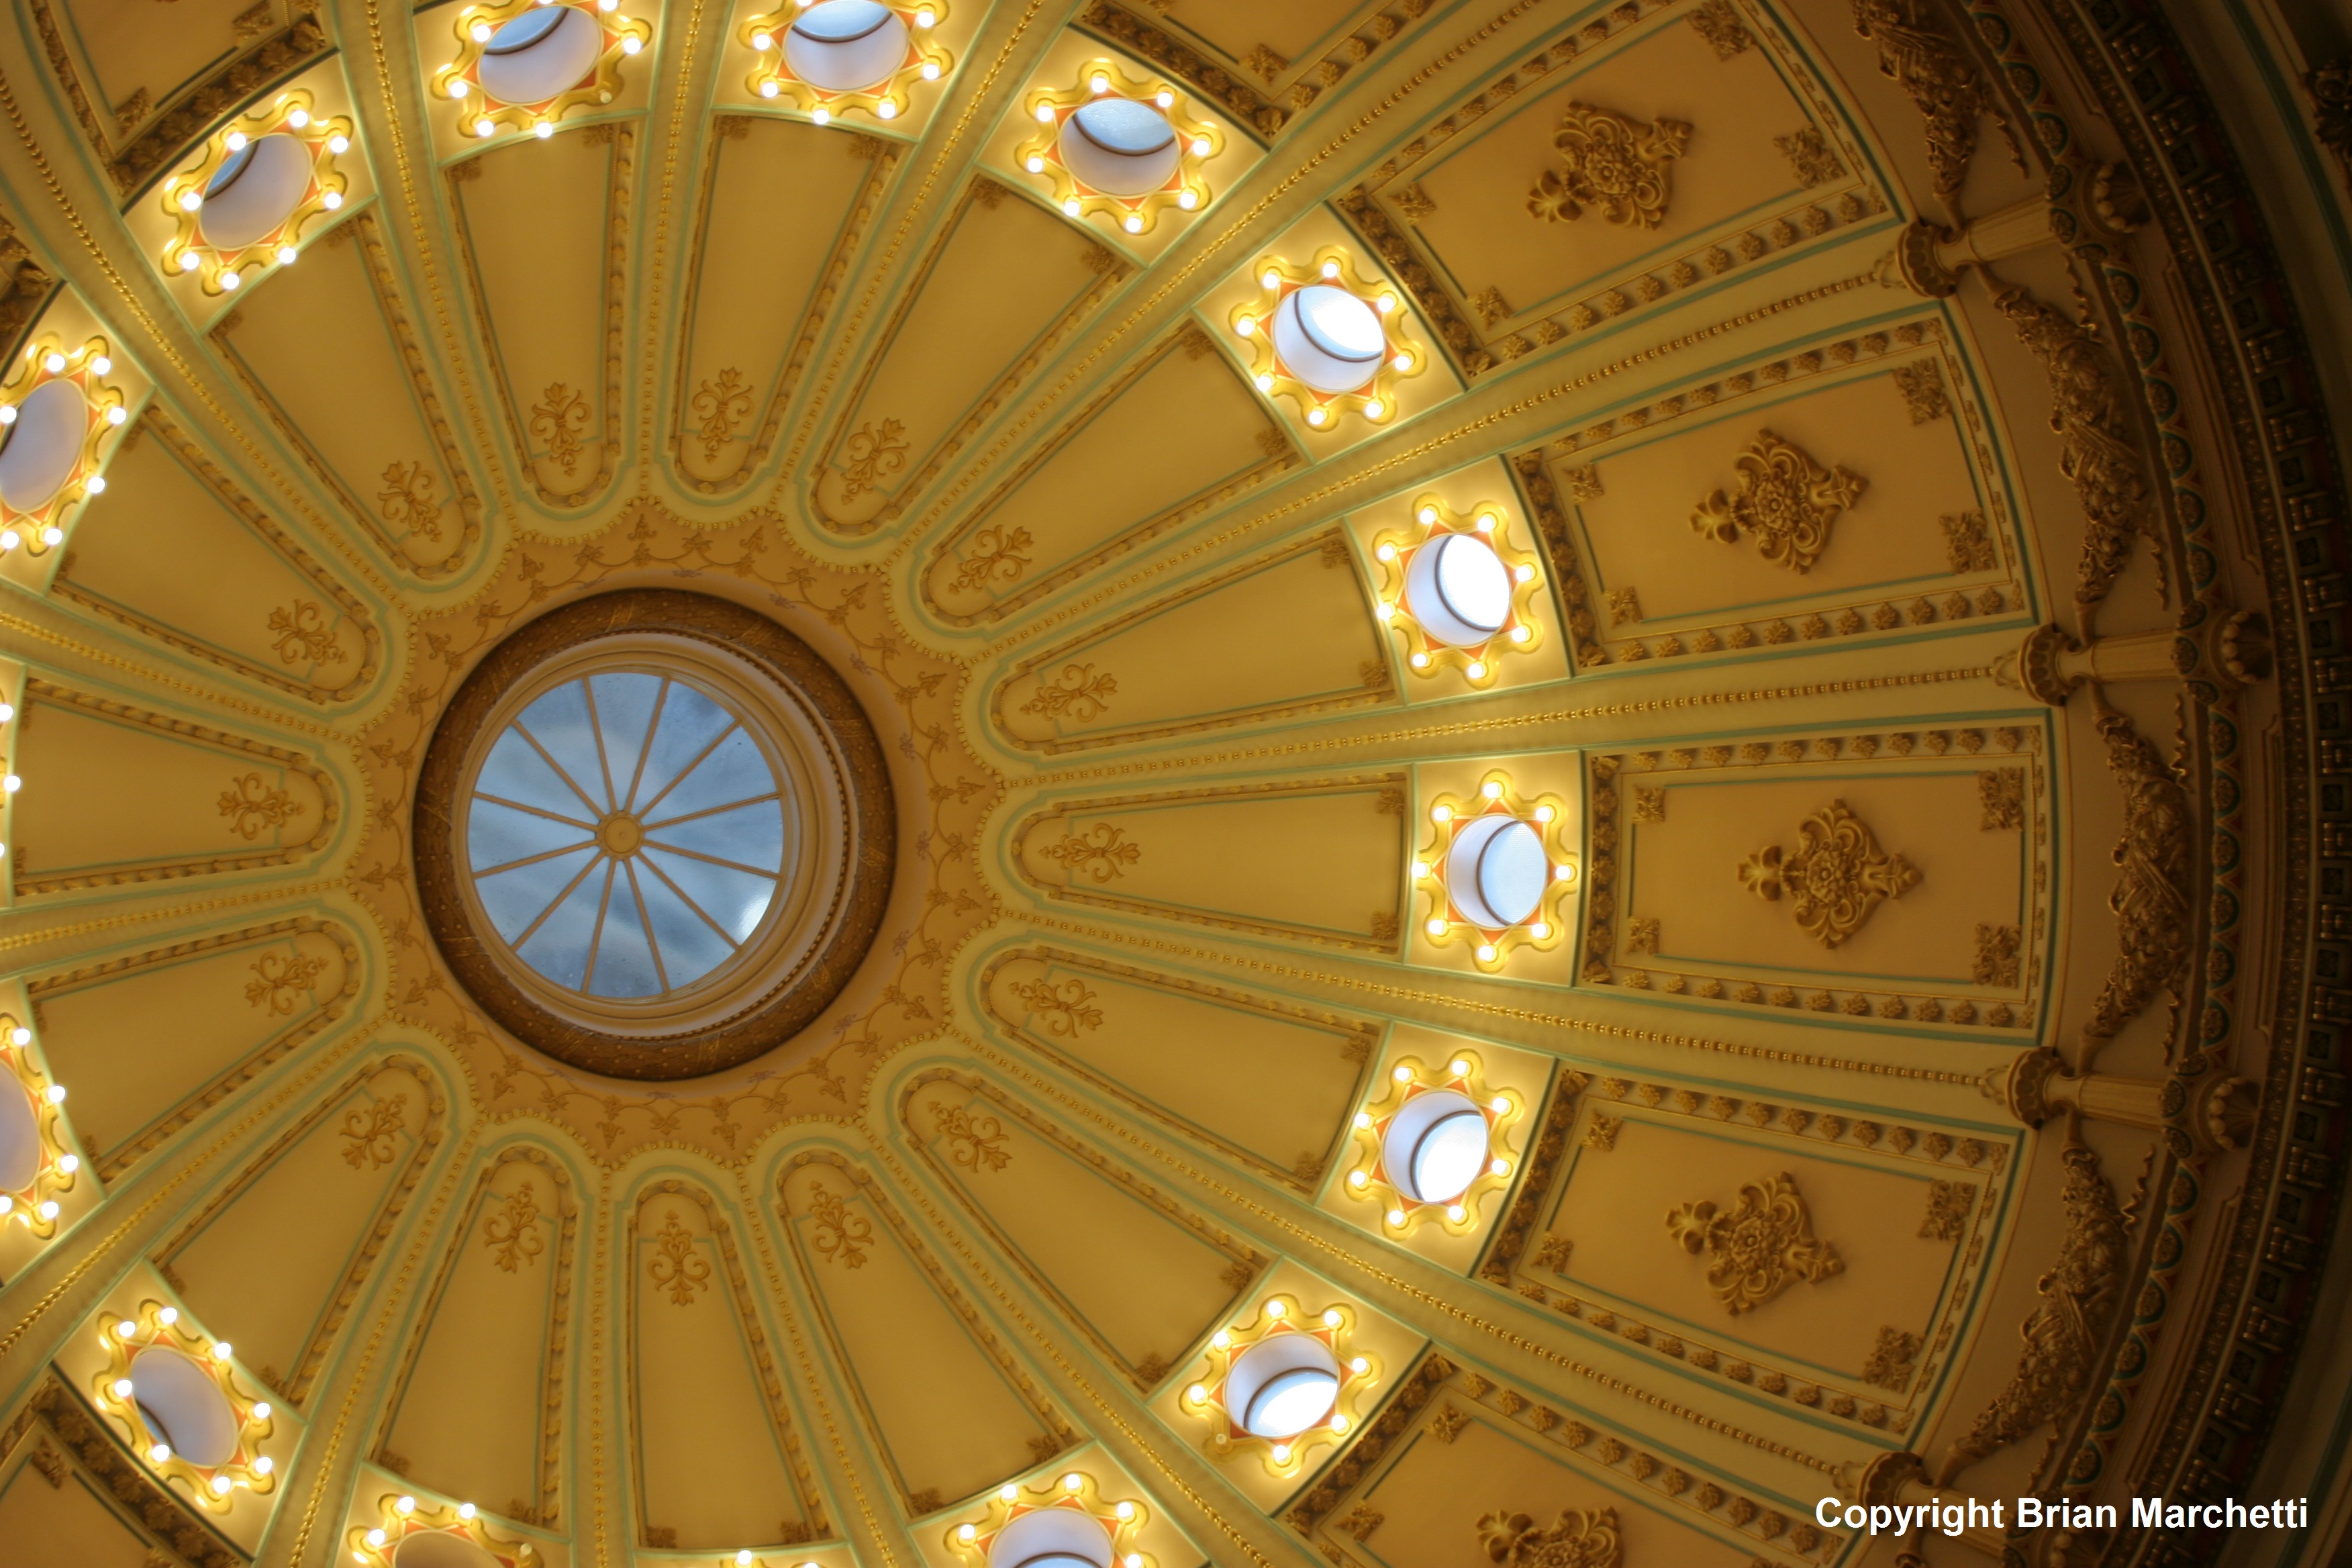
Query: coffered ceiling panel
[305, 346]
[545, 233]
[951, 1407]
[761, 289]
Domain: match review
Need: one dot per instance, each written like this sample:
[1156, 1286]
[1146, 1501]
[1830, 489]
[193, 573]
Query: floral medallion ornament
[1578, 1538]
[1327, 337]
[262, 181]
[1461, 1083]
[1611, 165]
[1786, 501]
[401, 1519]
[1494, 871]
[1459, 590]
[1835, 876]
[828, 57]
[159, 1361]
[1304, 1339]
[1052, 1519]
[46, 1165]
[1759, 1247]
[1120, 147]
[59, 410]
[523, 65]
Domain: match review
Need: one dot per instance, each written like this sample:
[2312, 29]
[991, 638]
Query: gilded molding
[295, 1386]
[2057, 1370]
[1249, 1262]
[1048, 1414]
[322, 1014]
[1836, 876]
[682, 1287]
[369, 662]
[239, 750]
[1062, 1015]
[1786, 501]
[1758, 1249]
[1613, 166]
[374, 520]
[883, 158]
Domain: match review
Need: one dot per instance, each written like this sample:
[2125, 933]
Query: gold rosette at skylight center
[1161, 782]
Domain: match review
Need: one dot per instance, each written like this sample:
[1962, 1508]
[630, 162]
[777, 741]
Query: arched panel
[152, 1041]
[174, 551]
[1110, 479]
[117, 794]
[329, 350]
[1321, 860]
[717, 1460]
[1266, 1082]
[760, 288]
[478, 1409]
[543, 229]
[1005, 283]
[1137, 1274]
[1174, 667]
[274, 1260]
[952, 1410]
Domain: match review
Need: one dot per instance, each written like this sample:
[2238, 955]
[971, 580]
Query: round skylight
[1051, 1538]
[542, 53]
[627, 834]
[1459, 590]
[181, 1405]
[653, 834]
[1498, 870]
[1283, 1385]
[1121, 147]
[1328, 337]
[20, 1138]
[1435, 1147]
[845, 46]
[43, 445]
[254, 191]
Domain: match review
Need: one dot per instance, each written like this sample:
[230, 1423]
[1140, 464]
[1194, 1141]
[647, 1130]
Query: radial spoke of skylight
[644, 752]
[645, 924]
[535, 811]
[698, 912]
[561, 772]
[596, 932]
[572, 848]
[684, 774]
[711, 811]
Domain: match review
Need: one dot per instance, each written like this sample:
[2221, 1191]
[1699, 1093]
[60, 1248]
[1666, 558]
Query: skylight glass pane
[514, 899]
[500, 835]
[558, 723]
[736, 899]
[747, 834]
[690, 949]
[558, 948]
[514, 771]
[624, 710]
[689, 722]
[625, 958]
[734, 771]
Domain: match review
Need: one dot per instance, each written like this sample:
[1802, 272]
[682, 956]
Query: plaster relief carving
[279, 981]
[1613, 165]
[977, 1143]
[252, 806]
[721, 405]
[1914, 50]
[1578, 1538]
[1996, 955]
[675, 1267]
[2092, 411]
[2061, 1336]
[1720, 25]
[2151, 896]
[303, 634]
[1947, 1211]
[1921, 385]
[1759, 1248]
[2001, 792]
[513, 1232]
[1102, 852]
[372, 1133]
[870, 456]
[840, 1235]
[1785, 498]
[1066, 1009]
[1077, 694]
[1889, 1364]
[1810, 155]
[558, 419]
[1836, 876]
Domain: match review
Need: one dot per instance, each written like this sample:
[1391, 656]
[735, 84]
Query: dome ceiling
[1510, 785]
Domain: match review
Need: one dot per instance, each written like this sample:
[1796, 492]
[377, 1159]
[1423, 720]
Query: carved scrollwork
[2062, 1337]
[2090, 410]
[1836, 876]
[1760, 1247]
[1611, 165]
[513, 1232]
[2151, 897]
[1915, 51]
[1578, 1538]
[676, 1267]
[1789, 501]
